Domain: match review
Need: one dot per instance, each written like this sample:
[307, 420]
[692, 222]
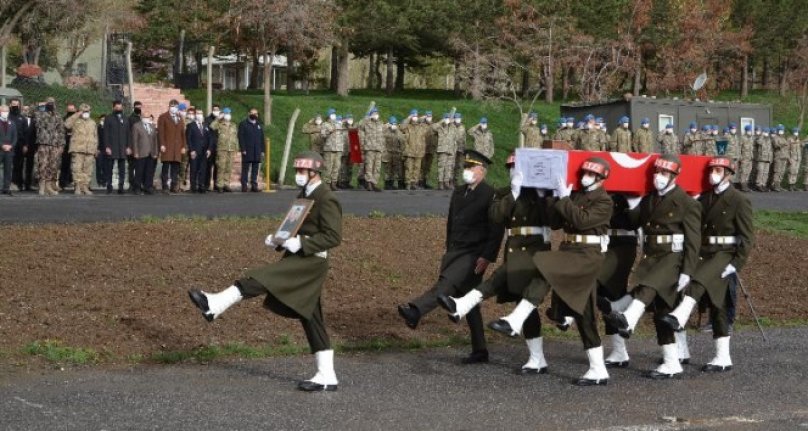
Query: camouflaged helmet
[597, 166]
[722, 162]
[309, 160]
[669, 163]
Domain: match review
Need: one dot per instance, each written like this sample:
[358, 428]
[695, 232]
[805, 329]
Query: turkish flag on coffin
[356, 148]
[632, 173]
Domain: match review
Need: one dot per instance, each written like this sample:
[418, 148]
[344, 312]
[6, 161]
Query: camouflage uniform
[460, 147]
[708, 145]
[50, 139]
[733, 151]
[602, 139]
[316, 139]
[668, 143]
[763, 162]
[565, 134]
[372, 145]
[483, 140]
[643, 141]
[332, 151]
[83, 146]
[692, 144]
[414, 150]
[781, 156]
[746, 149]
[533, 136]
[226, 149]
[794, 159]
[431, 140]
[621, 140]
[391, 158]
[588, 140]
[446, 153]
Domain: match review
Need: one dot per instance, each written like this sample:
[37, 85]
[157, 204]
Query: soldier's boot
[536, 364]
[333, 186]
[426, 185]
[54, 188]
[87, 190]
[375, 188]
[670, 367]
[626, 321]
[511, 324]
[605, 306]
[77, 189]
[402, 185]
[681, 345]
[388, 184]
[362, 183]
[411, 315]
[722, 361]
[677, 319]
[43, 188]
[597, 375]
[213, 305]
[618, 358]
[459, 307]
[412, 185]
[325, 379]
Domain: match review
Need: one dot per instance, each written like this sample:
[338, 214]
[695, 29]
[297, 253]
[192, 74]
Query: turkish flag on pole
[356, 147]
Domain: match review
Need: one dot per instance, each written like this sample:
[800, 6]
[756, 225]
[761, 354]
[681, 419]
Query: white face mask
[4, 115]
[350, 122]
[227, 117]
[318, 121]
[468, 176]
[533, 122]
[732, 131]
[661, 182]
[669, 131]
[216, 113]
[715, 179]
[446, 121]
[393, 127]
[692, 130]
[85, 115]
[780, 132]
[332, 117]
[587, 180]
[374, 117]
[796, 134]
[458, 121]
[570, 125]
[765, 135]
[483, 126]
[301, 180]
[200, 117]
[173, 110]
[543, 131]
[625, 125]
[183, 114]
[645, 126]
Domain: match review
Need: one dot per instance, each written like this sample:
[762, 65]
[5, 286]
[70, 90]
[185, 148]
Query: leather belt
[665, 239]
[582, 239]
[530, 230]
[622, 232]
[721, 240]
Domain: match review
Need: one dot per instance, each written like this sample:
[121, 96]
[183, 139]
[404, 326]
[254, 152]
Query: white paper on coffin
[541, 168]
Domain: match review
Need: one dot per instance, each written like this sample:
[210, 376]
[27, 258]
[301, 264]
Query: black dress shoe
[616, 364]
[478, 357]
[309, 386]
[8, 192]
[656, 375]
[603, 304]
[226, 189]
[618, 320]
[447, 303]
[201, 301]
[591, 382]
[531, 371]
[710, 368]
[244, 189]
[503, 327]
[671, 322]
[410, 314]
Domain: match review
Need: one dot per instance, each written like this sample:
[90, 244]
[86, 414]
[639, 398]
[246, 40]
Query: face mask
[645, 126]
[200, 117]
[301, 180]
[118, 112]
[543, 131]
[227, 117]
[765, 135]
[533, 122]
[253, 117]
[40, 108]
[350, 122]
[625, 125]
[15, 110]
[85, 115]
[668, 131]
[216, 113]
[732, 131]
[692, 130]
[468, 176]
[661, 182]
[332, 117]
[484, 126]
[374, 117]
[796, 134]
[173, 110]
[4, 115]
[446, 121]
[587, 180]
[183, 114]
[715, 179]
[458, 121]
[780, 133]
[393, 127]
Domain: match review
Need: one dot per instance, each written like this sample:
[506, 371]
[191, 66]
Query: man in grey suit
[145, 150]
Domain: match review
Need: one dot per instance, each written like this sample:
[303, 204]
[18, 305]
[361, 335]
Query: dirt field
[120, 289]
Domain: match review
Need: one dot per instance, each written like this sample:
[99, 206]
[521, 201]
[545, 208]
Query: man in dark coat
[198, 135]
[8, 142]
[727, 237]
[134, 118]
[117, 135]
[171, 136]
[571, 271]
[211, 173]
[293, 284]
[21, 151]
[670, 221]
[252, 146]
[145, 150]
[472, 243]
[525, 214]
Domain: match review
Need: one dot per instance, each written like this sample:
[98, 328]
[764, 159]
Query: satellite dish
[700, 81]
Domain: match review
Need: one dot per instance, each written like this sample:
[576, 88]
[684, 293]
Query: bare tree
[798, 78]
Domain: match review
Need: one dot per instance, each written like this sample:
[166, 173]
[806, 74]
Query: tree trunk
[334, 69]
[343, 72]
[371, 62]
[389, 84]
[637, 75]
[268, 88]
[476, 82]
[525, 83]
[254, 73]
[549, 81]
[457, 90]
[783, 84]
[290, 69]
[400, 68]
[745, 77]
[377, 72]
[565, 83]
[765, 77]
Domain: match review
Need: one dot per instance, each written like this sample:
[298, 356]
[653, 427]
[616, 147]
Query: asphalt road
[427, 390]
[67, 208]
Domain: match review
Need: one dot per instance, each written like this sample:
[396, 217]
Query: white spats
[519, 314]
[683, 310]
[466, 303]
[622, 303]
[633, 313]
[325, 369]
[670, 361]
[681, 345]
[597, 368]
[219, 302]
[722, 358]
[619, 353]
[536, 348]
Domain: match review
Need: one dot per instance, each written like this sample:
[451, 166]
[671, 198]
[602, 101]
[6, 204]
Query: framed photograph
[294, 219]
[541, 168]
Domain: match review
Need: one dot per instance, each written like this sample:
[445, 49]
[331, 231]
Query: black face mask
[118, 112]
[137, 111]
[253, 117]
[15, 110]
[49, 107]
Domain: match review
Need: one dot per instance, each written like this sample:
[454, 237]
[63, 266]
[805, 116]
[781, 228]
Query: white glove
[292, 244]
[684, 280]
[268, 241]
[563, 190]
[633, 202]
[729, 270]
[540, 193]
[516, 184]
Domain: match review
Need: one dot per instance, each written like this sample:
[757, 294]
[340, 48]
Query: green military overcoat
[619, 259]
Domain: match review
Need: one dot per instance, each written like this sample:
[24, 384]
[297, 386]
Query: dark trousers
[23, 168]
[211, 172]
[65, 173]
[251, 169]
[7, 159]
[648, 296]
[101, 169]
[314, 327]
[171, 169]
[199, 166]
[732, 299]
[130, 171]
[586, 323]
[121, 172]
[144, 174]
[718, 312]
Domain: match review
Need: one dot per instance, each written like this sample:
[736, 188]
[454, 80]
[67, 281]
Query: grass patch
[376, 214]
[789, 223]
[54, 352]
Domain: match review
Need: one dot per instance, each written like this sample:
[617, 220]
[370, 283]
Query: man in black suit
[211, 174]
[22, 158]
[198, 135]
[472, 243]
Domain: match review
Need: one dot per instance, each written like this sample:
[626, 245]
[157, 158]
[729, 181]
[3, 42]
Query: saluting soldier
[227, 147]
[483, 138]
[727, 235]
[460, 147]
[532, 132]
[670, 222]
[414, 148]
[372, 145]
[524, 211]
[746, 153]
[313, 128]
[781, 154]
[472, 243]
[643, 138]
[691, 142]
[446, 151]
[391, 158]
[332, 149]
[763, 161]
[430, 148]
[572, 270]
[83, 146]
[668, 142]
[708, 137]
[293, 285]
[794, 158]
[621, 138]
